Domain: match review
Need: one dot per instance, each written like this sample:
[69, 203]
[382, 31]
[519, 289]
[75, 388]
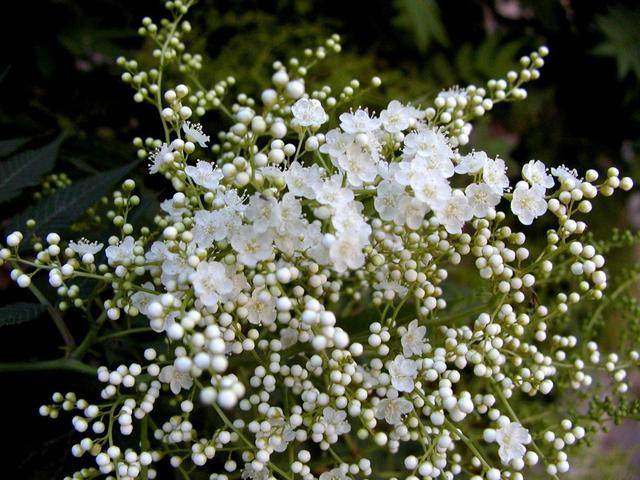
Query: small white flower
[204, 174]
[411, 212]
[335, 421]
[512, 439]
[395, 118]
[84, 246]
[261, 308]
[433, 190]
[210, 281]
[387, 201]
[528, 202]
[494, 174]
[454, 212]
[413, 339]
[121, 253]
[308, 113]
[333, 474]
[392, 409]
[263, 212]
[535, 173]
[403, 373]
[160, 157]
[481, 198]
[193, 132]
[472, 163]
[359, 165]
[250, 473]
[565, 174]
[333, 194]
[346, 253]
[358, 122]
[252, 245]
[336, 143]
[303, 181]
[176, 380]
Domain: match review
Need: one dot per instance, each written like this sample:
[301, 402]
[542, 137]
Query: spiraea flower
[308, 113]
[512, 439]
[528, 202]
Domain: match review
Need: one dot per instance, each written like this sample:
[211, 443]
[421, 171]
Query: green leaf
[60, 209]
[20, 312]
[25, 169]
[422, 18]
[7, 147]
[619, 27]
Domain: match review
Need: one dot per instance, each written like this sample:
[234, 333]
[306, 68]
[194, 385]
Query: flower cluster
[298, 276]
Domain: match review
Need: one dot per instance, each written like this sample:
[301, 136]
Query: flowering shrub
[298, 278]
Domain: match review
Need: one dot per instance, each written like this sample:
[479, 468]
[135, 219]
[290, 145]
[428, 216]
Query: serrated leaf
[25, 169]
[60, 209]
[20, 312]
[7, 147]
[622, 38]
[422, 18]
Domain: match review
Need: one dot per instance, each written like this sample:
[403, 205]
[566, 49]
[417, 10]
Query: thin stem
[58, 364]
[57, 319]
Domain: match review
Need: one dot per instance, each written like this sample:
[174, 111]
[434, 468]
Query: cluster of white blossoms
[298, 277]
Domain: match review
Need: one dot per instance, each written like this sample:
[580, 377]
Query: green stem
[57, 319]
[58, 364]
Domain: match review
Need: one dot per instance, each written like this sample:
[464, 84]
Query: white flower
[360, 166]
[121, 253]
[210, 281]
[250, 473]
[432, 147]
[261, 308]
[403, 373]
[346, 253]
[204, 174]
[333, 474]
[481, 198]
[387, 200]
[454, 212]
[175, 212]
[303, 181]
[336, 143]
[207, 228]
[395, 118]
[413, 339]
[335, 421]
[193, 132]
[84, 246]
[176, 380]
[528, 202]
[512, 439]
[308, 113]
[142, 300]
[263, 212]
[433, 190]
[332, 193]
[565, 174]
[472, 163]
[535, 173]
[159, 157]
[252, 245]
[411, 212]
[358, 122]
[392, 409]
[494, 173]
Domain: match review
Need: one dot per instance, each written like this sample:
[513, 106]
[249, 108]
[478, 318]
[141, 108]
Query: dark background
[59, 75]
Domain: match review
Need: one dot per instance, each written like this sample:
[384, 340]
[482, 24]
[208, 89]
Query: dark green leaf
[422, 18]
[25, 169]
[7, 147]
[59, 210]
[19, 313]
[619, 28]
